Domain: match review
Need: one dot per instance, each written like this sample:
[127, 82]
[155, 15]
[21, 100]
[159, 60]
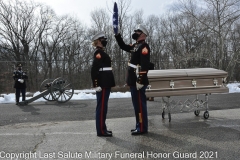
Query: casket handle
[149, 86]
[194, 83]
[171, 83]
[215, 81]
[224, 80]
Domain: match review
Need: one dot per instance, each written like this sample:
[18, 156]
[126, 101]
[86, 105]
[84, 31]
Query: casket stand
[181, 82]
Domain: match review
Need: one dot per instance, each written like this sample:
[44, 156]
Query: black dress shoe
[136, 132]
[17, 103]
[107, 134]
[133, 130]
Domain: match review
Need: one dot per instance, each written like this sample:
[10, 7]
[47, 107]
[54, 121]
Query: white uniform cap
[142, 28]
[99, 35]
[19, 65]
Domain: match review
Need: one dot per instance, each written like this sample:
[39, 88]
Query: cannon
[59, 90]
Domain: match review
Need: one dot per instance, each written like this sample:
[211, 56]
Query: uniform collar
[99, 48]
[141, 41]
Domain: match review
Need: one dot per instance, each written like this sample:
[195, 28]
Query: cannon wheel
[49, 96]
[196, 112]
[206, 114]
[61, 90]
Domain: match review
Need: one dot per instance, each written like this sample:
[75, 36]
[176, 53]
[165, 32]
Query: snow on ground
[89, 94]
[234, 87]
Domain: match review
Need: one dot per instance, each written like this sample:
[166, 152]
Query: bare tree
[218, 16]
[22, 25]
[155, 40]
[52, 43]
[100, 19]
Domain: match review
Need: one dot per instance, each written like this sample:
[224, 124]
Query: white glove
[149, 86]
[21, 80]
[139, 86]
[98, 89]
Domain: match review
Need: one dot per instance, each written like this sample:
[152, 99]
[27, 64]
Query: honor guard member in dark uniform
[103, 80]
[137, 75]
[20, 78]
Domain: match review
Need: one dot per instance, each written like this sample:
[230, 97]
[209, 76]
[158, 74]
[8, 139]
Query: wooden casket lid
[186, 73]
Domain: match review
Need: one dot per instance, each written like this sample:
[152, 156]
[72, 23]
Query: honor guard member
[20, 78]
[103, 80]
[137, 76]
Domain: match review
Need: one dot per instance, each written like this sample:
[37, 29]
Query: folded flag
[115, 18]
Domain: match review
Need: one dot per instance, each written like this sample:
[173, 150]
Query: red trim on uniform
[102, 111]
[142, 72]
[140, 109]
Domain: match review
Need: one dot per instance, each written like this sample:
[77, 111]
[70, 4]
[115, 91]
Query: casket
[179, 82]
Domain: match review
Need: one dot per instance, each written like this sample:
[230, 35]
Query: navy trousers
[139, 101]
[17, 94]
[101, 110]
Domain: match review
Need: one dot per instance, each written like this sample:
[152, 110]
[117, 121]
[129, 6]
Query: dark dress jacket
[140, 55]
[104, 79]
[20, 75]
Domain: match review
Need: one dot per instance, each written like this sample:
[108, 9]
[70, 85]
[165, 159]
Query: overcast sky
[83, 8]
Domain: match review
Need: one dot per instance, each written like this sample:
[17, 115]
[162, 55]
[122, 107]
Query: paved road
[67, 131]
[85, 109]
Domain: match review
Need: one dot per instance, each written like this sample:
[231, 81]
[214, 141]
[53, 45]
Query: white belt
[105, 69]
[132, 65]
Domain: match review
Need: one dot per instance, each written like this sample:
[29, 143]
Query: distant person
[20, 78]
[102, 80]
[137, 79]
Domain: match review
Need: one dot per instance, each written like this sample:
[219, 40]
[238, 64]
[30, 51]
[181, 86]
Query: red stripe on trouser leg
[140, 110]
[102, 111]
